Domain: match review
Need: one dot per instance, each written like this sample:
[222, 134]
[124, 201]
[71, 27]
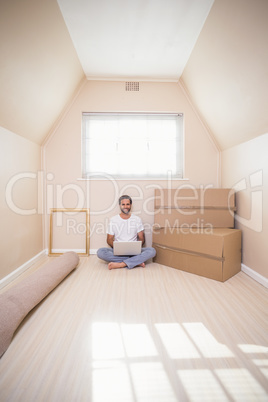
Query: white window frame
[104, 144]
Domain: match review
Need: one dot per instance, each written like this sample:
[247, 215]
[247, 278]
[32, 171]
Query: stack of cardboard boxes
[194, 231]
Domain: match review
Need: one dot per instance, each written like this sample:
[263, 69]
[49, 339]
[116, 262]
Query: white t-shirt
[125, 229]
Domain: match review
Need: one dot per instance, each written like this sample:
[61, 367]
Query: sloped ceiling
[39, 67]
[224, 67]
[227, 72]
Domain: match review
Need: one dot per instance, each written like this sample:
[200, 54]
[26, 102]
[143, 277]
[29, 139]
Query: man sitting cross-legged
[125, 227]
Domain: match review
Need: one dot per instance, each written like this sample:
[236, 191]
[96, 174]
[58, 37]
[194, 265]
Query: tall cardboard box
[214, 253]
[191, 207]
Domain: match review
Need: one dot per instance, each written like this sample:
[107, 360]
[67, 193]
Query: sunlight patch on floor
[253, 348]
[151, 382]
[176, 341]
[107, 341]
[201, 385]
[110, 382]
[205, 341]
[127, 364]
[137, 340]
[241, 385]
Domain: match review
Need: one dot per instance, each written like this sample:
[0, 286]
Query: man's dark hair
[125, 197]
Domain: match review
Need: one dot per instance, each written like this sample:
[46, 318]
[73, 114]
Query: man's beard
[125, 211]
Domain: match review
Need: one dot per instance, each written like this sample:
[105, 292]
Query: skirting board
[59, 250]
[13, 275]
[64, 250]
[254, 275]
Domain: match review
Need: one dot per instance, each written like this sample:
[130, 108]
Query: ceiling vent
[132, 86]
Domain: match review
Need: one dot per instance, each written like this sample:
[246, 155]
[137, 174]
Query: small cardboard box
[194, 207]
[195, 197]
[214, 253]
[194, 218]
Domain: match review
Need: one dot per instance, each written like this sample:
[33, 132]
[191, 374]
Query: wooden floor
[147, 334]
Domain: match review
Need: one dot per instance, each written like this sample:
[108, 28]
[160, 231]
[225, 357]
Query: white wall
[245, 166]
[21, 225]
[62, 154]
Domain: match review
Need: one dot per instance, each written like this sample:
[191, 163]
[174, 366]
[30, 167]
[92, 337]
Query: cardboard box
[194, 218]
[195, 197]
[214, 253]
[194, 207]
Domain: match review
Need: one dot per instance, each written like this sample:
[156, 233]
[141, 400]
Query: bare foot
[113, 265]
[142, 265]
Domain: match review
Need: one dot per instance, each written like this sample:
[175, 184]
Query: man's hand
[110, 240]
[141, 237]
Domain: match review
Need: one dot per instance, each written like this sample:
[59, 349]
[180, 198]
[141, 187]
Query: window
[132, 145]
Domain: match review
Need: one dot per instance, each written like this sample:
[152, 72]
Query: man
[125, 227]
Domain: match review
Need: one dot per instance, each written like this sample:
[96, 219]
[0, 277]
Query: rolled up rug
[20, 299]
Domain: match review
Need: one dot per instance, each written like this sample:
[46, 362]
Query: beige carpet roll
[19, 300]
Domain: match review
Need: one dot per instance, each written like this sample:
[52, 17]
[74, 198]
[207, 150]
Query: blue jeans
[107, 254]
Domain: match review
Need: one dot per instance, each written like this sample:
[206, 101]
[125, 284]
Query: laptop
[127, 247]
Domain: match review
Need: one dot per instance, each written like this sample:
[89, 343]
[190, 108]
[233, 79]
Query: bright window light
[261, 362]
[138, 145]
[151, 383]
[138, 341]
[205, 341]
[201, 385]
[107, 341]
[176, 341]
[241, 385]
[264, 372]
[247, 348]
[111, 382]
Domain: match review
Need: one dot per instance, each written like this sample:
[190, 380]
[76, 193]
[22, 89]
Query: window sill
[132, 178]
